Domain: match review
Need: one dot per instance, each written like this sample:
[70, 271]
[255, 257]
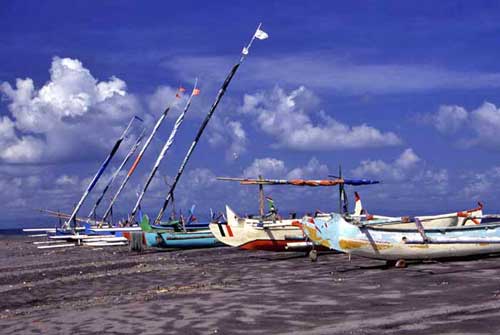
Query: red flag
[196, 91]
[180, 90]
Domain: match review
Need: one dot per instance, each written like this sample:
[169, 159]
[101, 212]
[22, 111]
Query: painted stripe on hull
[221, 230]
[229, 231]
[267, 245]
[275, 245]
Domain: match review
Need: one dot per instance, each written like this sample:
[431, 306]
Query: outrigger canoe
[392, 241]
[169, 238]
[467, 217]
[270, 232]
[258, 234]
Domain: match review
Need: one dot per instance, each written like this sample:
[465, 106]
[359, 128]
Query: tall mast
[164, 150]
[261, 199]
[341, 189]
[99, 173]
[136, 162]
[115, 174]
[218, 98]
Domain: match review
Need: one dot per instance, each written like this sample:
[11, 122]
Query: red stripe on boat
[229, 231]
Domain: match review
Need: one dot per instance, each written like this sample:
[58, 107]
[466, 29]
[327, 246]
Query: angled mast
[136, 162]
[259, 34]
[164, 150]
[99, 173]
[115, 174]
[341, 191]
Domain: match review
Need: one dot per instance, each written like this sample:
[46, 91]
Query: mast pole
[261, 199]
[164, 150]
[218, 98]
[136, 162]
[341, 186]
[103, 167]
[115, 174]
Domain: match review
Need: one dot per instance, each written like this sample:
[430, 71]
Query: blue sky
[404, 92]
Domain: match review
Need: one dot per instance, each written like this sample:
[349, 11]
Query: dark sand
[230, 291]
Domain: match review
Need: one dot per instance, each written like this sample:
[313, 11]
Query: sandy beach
[229, 291]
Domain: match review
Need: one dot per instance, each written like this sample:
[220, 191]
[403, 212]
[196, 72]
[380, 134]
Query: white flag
[261, 34]
[244, 51]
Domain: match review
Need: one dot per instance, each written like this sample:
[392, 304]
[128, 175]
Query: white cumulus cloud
[267, 167]
[230, 134]
[397, 170]
[479, 127]
[276, 168]
[68, 111]
[449, 118]
[289, 118]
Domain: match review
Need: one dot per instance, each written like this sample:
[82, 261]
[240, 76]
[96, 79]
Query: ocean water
[12, 231]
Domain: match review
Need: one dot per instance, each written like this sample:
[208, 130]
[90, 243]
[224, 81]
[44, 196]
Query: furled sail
[164, 150]
[136, 162]
[99, 173]
[115, 174]
[220, 94]
[301, 182]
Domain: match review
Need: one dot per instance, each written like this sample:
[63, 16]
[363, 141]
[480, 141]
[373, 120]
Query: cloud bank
[339, 75]
[48, 123]
[479, 127]
[289, 118]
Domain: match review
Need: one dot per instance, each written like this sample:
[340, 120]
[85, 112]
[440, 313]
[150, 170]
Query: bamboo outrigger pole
[136, 162]
[115, 174]
[164, 150]
[258, 34]
[99, 172]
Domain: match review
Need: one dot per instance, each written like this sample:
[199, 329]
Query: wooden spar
[341, 187]
[136, 162]
[99, 173]
[164, 150]
[65, 245]
[293, 182]
[492, 240]
[115, 174]
[261, 199]
[421, 230]
[67, 216]
[218, 98]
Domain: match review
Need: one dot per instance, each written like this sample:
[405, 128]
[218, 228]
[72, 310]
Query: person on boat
[273, 211]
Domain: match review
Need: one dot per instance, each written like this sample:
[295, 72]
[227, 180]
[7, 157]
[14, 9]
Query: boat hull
[391, 243]
[250, 234]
